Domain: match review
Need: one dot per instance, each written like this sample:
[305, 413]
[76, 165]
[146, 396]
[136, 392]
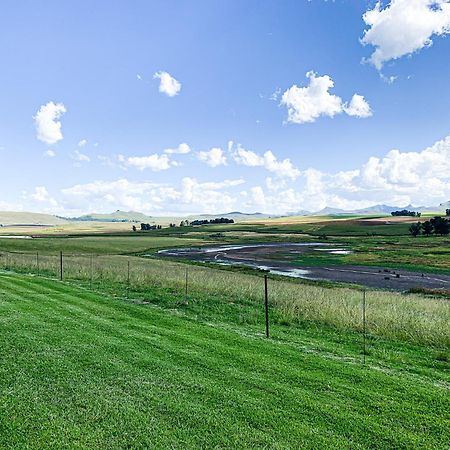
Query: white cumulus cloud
[307, 104]
[182, 149]
[48, 126]
[153, 162]
[167, 84]
[404, 27]
[358, 107]
[214, 157]
[190, 196]
[41, 195]
[398, 179]
[284, 168]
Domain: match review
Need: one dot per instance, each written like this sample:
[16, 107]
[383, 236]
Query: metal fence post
[266, 304]
[61, 265]
[364, 325]
[186, 286]
[91, 271]
[128, 278]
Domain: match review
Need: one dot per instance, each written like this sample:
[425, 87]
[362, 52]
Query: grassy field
[87, 370]
[106, 361]
[103, 244]
[408, 317]
[371, 243]
[414, 318]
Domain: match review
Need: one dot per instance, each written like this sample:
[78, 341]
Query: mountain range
[29, 218]
[381, 209]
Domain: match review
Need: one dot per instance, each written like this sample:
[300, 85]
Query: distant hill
[117, 216]
[133, 216]
[235, 215]
[301, 212]
[8, 218]
[381, 209]
[327, 211]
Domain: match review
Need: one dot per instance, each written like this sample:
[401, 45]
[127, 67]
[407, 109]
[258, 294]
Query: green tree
[441, 225]
[415, 228]
[427, 228]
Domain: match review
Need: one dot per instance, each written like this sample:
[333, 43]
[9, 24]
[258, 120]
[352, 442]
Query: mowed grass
[85, 370]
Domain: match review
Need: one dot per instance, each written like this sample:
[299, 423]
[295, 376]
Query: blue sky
[118, 83]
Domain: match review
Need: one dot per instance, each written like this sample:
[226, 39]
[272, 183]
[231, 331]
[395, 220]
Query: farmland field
[373, 240]
[134, 350]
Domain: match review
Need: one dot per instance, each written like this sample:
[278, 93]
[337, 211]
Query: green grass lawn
[82, 369]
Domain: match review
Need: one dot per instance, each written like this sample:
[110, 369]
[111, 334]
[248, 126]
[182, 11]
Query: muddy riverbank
[279, 258]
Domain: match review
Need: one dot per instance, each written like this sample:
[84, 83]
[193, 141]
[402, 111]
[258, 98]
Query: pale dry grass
[413, 318]
[64, 228]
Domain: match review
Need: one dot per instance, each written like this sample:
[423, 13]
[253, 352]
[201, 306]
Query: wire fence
[413, 318]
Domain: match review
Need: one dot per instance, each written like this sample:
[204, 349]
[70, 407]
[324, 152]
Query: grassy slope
[12, 217]
[82, 370]
[68, 228]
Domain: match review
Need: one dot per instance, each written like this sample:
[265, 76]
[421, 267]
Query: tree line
[147, 227]
[212, 221]
[436, 225]
[184, 223]
[405, 212]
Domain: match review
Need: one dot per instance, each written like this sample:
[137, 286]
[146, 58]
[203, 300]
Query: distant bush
[147, 227]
